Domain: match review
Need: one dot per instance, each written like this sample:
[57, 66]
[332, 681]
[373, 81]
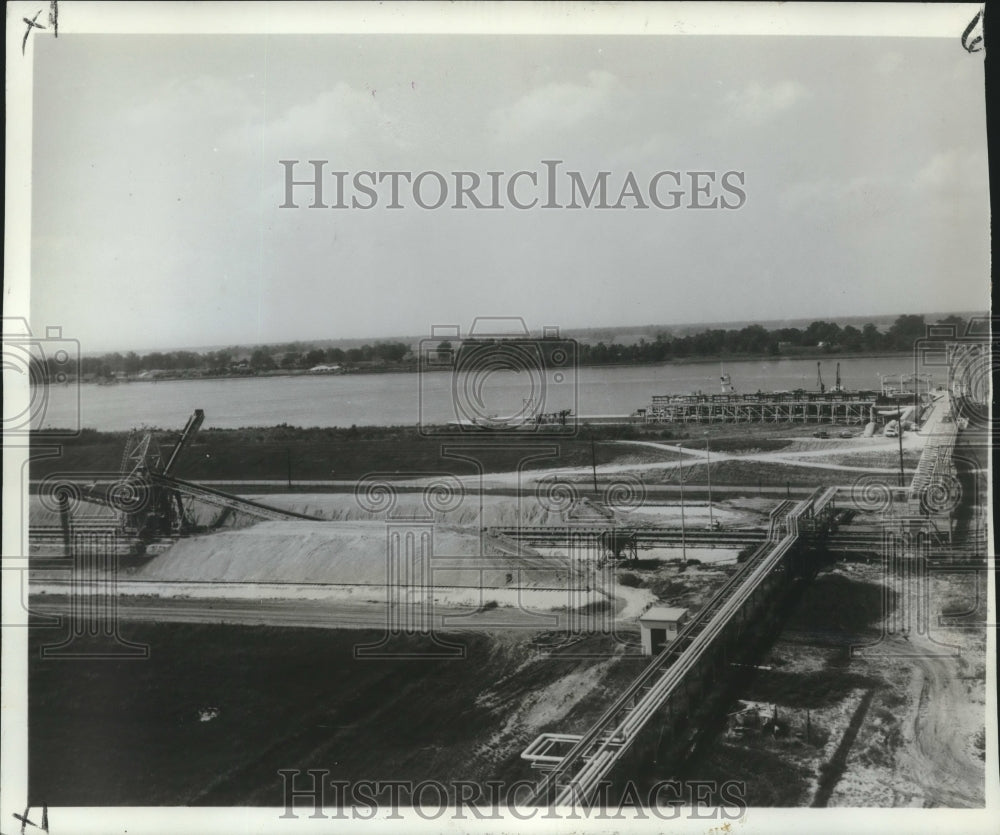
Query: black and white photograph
[567, 417]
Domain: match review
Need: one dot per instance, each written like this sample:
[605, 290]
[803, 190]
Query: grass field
[130, 732]
[284, 452]
[318, 454]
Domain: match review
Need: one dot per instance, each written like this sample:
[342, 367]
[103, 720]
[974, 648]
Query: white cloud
[828, 192]
[555, 107]
[333, 119]
[951, 170]
[757, 103]
[201, 104]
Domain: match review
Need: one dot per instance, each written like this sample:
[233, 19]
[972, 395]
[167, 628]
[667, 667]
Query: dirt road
[936, 754]
[337, 615]
[796, 458]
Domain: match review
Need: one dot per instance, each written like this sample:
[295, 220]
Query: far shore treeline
[820, 337]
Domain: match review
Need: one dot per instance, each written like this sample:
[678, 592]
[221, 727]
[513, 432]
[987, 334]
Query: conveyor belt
[579, 773]
[220, 499]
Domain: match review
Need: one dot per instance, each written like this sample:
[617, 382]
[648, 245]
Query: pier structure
[934, 490]
[852, 408]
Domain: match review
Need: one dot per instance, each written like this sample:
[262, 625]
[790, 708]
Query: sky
[156, 219]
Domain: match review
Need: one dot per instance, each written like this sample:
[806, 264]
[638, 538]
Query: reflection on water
[408, 399]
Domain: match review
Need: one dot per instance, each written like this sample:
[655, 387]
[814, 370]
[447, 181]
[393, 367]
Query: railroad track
[843, 540]
[550, 536]
[46, 533]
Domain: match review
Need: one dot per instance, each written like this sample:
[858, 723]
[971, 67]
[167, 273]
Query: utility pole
[899, 420]
[65, 522]
[708, 456]
[288, 462]
[593, 464]
[680, 470]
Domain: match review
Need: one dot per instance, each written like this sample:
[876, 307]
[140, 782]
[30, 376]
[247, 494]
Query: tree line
[228, 361]
[753, 340]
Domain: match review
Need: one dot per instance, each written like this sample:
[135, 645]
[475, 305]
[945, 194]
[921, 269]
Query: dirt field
[136, 732]
[857, 713]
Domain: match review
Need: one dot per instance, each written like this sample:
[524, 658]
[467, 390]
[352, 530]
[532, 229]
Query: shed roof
[663, 613]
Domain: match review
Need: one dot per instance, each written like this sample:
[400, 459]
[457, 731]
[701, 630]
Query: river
[411, 398]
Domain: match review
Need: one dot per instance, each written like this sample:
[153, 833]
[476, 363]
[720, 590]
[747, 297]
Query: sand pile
[496, 511]
[348, 553]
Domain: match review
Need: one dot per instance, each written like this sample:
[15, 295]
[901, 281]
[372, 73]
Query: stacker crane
[149, 499]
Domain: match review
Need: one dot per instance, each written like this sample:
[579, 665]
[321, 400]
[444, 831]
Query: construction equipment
[819, 377]
[838, 387]
[149, 499]
[190, 430]
[149, 507]
[618, 545]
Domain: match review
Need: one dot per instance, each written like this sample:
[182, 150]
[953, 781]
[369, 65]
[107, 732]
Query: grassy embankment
[275, 453]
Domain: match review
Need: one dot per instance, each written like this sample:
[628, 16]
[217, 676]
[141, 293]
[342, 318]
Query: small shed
[660, 626]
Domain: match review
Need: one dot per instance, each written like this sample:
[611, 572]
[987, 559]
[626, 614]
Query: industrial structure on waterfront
[824, 405]
[771, 407]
